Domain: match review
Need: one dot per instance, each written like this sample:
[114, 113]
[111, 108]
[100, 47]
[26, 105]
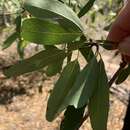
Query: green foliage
[54, 10]
[87, 53]
[123, 75]
[84, 85]
[46, 32]
[54, 68]
[54, 22]
[8, 42]
[35, 62]
[99, 102]
[56, 102]
[72, 118]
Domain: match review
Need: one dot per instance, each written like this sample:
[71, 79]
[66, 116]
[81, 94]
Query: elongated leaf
[55, 10]
[86, 8]
[123, 75]
[9, 41]
[84, 50]
[99, 102]
[61, 89]
[46, 32]
[54, 67]
[84, 86]
[34, 63]
[72, 118]
[87, 53]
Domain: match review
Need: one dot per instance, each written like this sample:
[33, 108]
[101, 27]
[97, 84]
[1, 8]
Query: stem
[70, 53]
[84, 118]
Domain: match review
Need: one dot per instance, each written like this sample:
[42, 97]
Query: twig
[84, 118]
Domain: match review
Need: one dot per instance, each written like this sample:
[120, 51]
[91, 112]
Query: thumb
[121, 27]
[124, 46]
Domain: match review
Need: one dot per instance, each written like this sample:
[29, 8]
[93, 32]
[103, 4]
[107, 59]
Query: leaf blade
[46, 32]
[123, 75]
[87, 53]
[61, 89]
[34, 63]
[55, 10]
[84, 86]
[55, 67]
[9, 41]
[72, 118]
[99, 103]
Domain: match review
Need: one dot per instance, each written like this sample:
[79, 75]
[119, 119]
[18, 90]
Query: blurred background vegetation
[8, 11]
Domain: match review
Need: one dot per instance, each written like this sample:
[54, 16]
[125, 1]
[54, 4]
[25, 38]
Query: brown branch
[84, 118]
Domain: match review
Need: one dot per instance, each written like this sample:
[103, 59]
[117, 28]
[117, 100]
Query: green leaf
[55, 67]
[35, 62]
[9, 41]
[99, 102]
[86, 8]
[54, 10]
[84, 85]
[61, 89]
[87, 53]
[72, 118]
[46, 32]
[123, 75]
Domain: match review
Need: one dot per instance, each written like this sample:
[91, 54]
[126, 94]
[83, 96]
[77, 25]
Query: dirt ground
[23, 99]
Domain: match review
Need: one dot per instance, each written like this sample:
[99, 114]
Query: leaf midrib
[51, 33]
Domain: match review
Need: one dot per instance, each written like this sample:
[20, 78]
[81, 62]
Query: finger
[126, 58]
[124, 46]
[121, 27]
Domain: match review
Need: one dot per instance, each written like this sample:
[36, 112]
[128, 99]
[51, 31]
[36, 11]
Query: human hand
[120, 32]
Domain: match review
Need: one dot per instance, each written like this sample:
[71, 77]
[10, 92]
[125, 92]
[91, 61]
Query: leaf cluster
[52, 23]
